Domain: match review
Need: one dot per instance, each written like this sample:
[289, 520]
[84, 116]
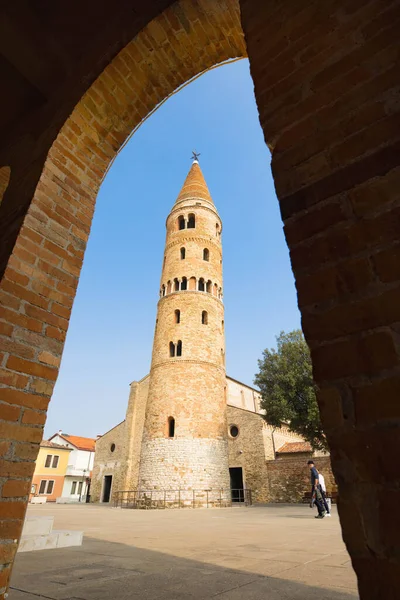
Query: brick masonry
[289, 478]
[326, 84]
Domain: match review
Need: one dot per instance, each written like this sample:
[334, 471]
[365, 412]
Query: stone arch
[192, 283]
[325, 80]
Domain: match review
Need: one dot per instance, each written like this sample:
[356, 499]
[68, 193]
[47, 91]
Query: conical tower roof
[195, 186]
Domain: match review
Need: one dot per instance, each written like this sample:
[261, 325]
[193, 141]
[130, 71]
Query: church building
[188, 425]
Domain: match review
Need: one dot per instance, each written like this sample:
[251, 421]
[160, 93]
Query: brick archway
[325, 81]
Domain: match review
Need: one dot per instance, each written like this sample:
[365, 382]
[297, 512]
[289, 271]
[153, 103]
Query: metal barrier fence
[152, 499]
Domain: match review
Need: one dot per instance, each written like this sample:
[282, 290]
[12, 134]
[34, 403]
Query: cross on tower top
[195, 156]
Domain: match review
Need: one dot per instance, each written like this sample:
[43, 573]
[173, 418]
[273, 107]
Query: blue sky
[110, 335]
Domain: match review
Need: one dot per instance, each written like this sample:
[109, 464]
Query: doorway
[107, 488]
[237, 488]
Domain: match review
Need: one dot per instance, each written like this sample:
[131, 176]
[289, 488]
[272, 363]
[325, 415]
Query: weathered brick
[9, 413]
[10, 530]
[25, 366]
[33, 417]
[12, 431]
[15, 488]
[24, 399]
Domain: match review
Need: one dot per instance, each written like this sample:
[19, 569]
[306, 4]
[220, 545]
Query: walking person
[315, 490]
[321, 479]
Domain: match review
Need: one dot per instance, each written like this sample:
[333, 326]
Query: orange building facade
[49, 476]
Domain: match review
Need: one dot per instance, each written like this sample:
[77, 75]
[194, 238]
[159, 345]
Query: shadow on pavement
[101, 570]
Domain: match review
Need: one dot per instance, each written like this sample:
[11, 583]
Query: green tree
[287, 388]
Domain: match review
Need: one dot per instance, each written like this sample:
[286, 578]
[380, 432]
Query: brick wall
[289, 478]
[326, 83]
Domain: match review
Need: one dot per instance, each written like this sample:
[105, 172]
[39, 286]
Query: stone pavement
[258, 553]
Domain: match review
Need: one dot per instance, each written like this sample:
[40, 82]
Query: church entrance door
[236, 476]
[107, 488]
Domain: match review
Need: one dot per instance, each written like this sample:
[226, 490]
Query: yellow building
[50, 470]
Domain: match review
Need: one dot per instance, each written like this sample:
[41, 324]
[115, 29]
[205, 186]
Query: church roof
[292, 447]
[195, 186]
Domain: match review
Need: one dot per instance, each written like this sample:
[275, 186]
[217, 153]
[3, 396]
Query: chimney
[60, 432]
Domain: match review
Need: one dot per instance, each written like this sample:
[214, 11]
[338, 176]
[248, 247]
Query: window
[48, 460]
[171, 427]
[176, 285]
[181, 222]
[217, 230]
[209, 286]
[206, 254]
[179, 348]
[234, 431]
[177, 316]
[184, 284]
[172, 349]
[55, 462]
[222, 325]
[163, 290]
[112, 447]
[80, 487]
[191, 221]
[204, 317]
[183, 253]
[46, 486]
[201, 284]
[73, 488]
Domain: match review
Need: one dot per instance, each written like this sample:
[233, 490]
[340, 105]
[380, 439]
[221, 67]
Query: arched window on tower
[184, 283]
[209, 286]
[176, 285]
[179, 348]
[183, 253]
[177, 316]
[191, 221]
[201, 284]
[171, 427]
[163, 290]
[172, 349]
[169, 287]
[181, 222]
[217, 230]
[206, 254]
[204, 317]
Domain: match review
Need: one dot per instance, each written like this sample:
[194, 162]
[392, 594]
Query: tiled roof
[295, 447]
[81, 443]
[47, 444]
[195, 185]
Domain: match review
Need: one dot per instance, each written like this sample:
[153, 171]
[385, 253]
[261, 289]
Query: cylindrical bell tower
[185, 434]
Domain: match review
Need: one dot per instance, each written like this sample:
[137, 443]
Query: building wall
[242, 396]
[248, 450]
[110, 462]
[289, 479]
[78, 459]
[57, 488]
[135, 416]
[49, 473]
[283, 435]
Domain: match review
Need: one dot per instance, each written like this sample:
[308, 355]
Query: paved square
[258, 553]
